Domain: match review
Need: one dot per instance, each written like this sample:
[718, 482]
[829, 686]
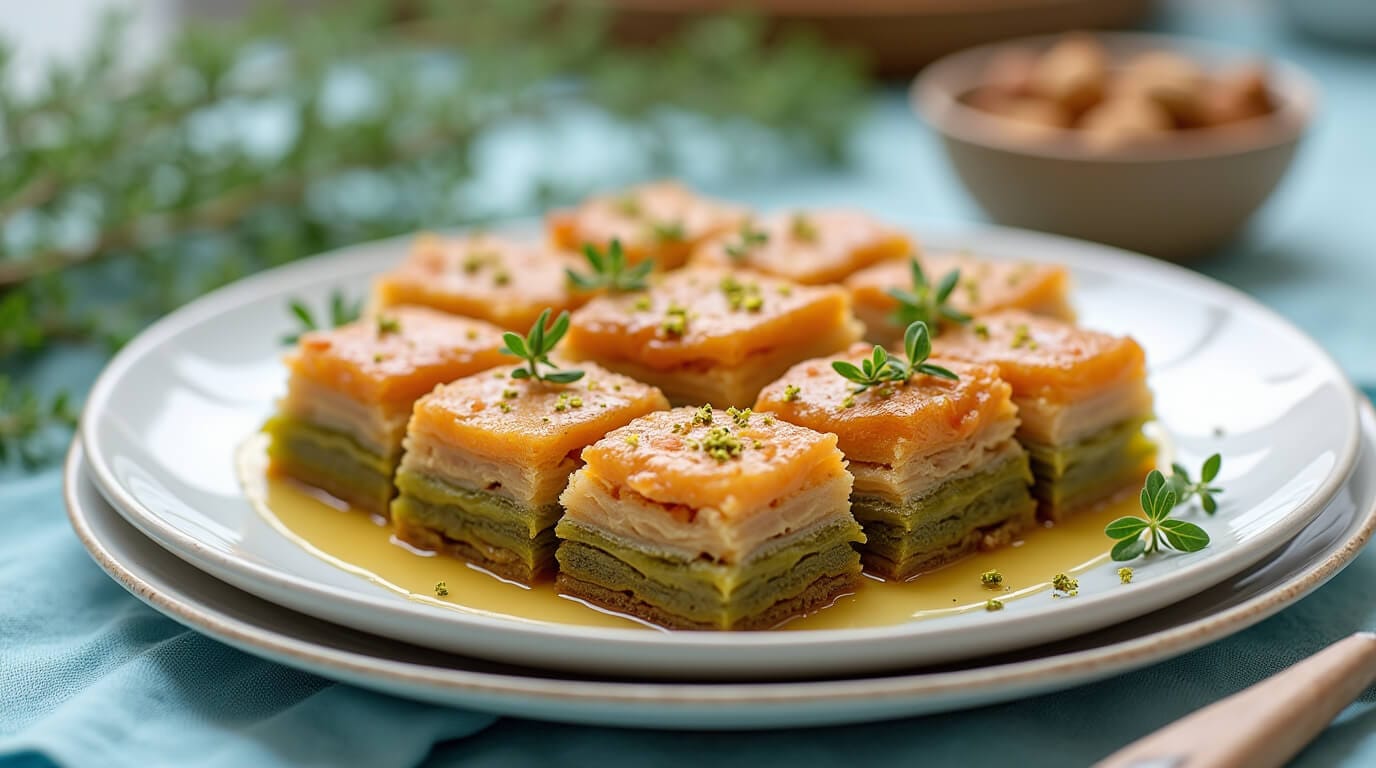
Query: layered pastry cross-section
[709, 335]
[985, 286]
[938, 474]
[1082, 396]
[487, 457]
[664, 221]
[504, 281]
[350, 391]
[703, 519]
[809, 247]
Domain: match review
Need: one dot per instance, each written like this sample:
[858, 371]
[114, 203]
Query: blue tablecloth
[90, 676]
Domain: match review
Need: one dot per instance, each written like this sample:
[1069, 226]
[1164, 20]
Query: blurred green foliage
[127, 189]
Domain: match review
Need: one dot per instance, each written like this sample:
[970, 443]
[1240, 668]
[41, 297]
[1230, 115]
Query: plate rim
[298, 275]
[1018, 678]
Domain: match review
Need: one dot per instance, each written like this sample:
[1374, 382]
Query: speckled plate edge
[727, 705]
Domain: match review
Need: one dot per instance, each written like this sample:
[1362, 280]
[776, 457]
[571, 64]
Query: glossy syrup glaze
[363, 545]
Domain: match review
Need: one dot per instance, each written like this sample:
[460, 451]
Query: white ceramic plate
[227, 614]
[163, 422]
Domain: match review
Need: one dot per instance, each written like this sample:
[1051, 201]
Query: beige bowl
[1178, 198]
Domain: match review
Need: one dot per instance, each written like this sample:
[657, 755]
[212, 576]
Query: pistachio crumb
[741, 417]
[768, 419]
[757, 444]
[791, 392]
[642, 304]
[803, 229]
[378, 357]
[470, 334]
[721, 445]
[441, 589]
[386, 325]
[849, 402]
[1125, 575]
[982, 331]
[784, 290]
[704, 415]
[993, 604]
[510, 394]
[502, 277]
[1022, 337]
[991, 579]
[675, 320]
[566, 401]
[1066, 584]
[632, 440]
[505, 406]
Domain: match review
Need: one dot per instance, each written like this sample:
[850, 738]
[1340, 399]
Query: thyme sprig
[1185, 488]
[882, 367]
[1137, 536]
[609, 271]
[926, 302]
[342, 310]
[535, 349]
[26, 422]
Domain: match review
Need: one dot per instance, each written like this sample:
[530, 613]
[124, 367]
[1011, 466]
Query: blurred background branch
[128, 188]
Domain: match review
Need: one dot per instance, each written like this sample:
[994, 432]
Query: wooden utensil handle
[1264, 725]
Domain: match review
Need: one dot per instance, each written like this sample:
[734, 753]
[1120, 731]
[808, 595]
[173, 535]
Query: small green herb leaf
[609, 271]
[535, 349]
[1128, 549]
[1184, 535]
[1125, 527]
[925, 303]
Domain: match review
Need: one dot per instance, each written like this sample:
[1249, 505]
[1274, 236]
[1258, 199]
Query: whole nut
[1123, 121]
[1074, 73]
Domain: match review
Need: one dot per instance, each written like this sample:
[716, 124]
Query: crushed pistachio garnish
[971, 289]
[627, 205]
[668, 232]
[502, 277]
[791, 392]
[704, 415]
[632, 440]
[441, 589]
[1022, 337]
[1125, 575]
[544, 419]
[470, 334]
[991, 579]
[742, 295]
[387, 324]
[757, 444]
[1065, 584]
[740, 416]
[475, 261]
[993, 604]
[803, 229]
[721, 445]
[675, 320]
[784, 290]
[751, 238]
[768, 419]
[849, 402]
[642, 304]
[566, 401]
[982, 331]
[378, 357]
[505, 406]
[510, 394]
[616, 387]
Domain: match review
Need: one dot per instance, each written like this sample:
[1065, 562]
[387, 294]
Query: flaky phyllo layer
[700, 568]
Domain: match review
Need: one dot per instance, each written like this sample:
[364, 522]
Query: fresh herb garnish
[1157, 499]
[669, 232]
[343, 310]
[883, 367]
[1185, 488]
[610, 270]
[535, 349]
[925, 302]
[750, 239]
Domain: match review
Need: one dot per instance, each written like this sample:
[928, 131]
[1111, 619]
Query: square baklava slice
[808, 247]
[487, 457]
[350, 391]
[1082, 396]
[984, 286]
[664, 221]
[938, 474]
[703, 519]
[504, 281]
[711, 335]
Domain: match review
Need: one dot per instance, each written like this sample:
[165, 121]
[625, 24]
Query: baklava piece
[702, 519]
[664, 221]
[350, 391]
[984, 286]
[503, 281]
[813, 248]
[938, 474]
[1082, 396]
[707, 335]
[487, 457]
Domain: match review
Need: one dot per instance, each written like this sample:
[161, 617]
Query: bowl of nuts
[1157, 144]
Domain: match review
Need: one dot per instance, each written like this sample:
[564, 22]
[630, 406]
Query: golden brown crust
[398, 356]
[812, 248]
